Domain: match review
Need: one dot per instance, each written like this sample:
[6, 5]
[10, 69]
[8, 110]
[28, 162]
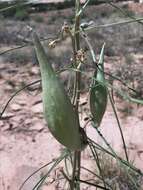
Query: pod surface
[98, 92]
[62, 120]
[98, 102]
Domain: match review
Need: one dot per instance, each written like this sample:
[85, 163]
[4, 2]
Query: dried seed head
[66, 28]
[52, 44]
[80, 55]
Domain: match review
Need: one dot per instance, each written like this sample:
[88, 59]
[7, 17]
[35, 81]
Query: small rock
[37, 102]
[7, 116]
[48, 187]
[1, 123]
[16, 107]
[140, 113]
[21, 102]
[35, 70]
[8, 87]
[37, 126]
[28, 121]
[37, 108]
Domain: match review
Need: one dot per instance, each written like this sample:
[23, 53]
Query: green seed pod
[98, 92]
[62, 120]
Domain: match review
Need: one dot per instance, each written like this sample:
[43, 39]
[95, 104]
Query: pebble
[16, 107]
[37, 108]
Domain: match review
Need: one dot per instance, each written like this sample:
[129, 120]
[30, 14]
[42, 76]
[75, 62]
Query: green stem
[12, 7]
[21, 89]
[92, 184]
[17, 92]
[124, 12]
[72, 184]
[95, 155]
[78, 169]
[76, 48]
[94, 174]
[76, 97]
[113, 24]
[119, 125]
[113, 154]
[127, 170]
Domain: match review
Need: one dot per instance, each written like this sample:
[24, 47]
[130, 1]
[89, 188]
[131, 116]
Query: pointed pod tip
[101, 58]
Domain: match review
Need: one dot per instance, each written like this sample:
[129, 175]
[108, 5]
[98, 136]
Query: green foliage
[14, 8]
[10, 13]
[21, 14]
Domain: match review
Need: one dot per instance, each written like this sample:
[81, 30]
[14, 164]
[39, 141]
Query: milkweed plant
[61, 111]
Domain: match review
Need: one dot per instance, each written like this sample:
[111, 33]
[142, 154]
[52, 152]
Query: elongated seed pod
[62, 120]
[98, 92]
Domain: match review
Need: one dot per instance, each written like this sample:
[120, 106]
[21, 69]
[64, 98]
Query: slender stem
[119, 125]
[76, 97]
[124, 12]
[40, 182]
[77, 24]
[17, 92]
[113, 24]
[92, 184]
[26, 44]
[113, 154]
[127, 171]
[12, 6]
[36, 171]
[94, 174]
[78, 82]
[76, 48]
[72, 184]
[83, 7]
[20, 90]
[95, 154]
[78, 168]
[65, 176]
